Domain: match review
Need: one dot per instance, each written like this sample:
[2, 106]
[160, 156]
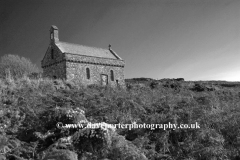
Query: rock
[61, 155]
[93, 141]
[2, 157]
[123, 149]
[77, 115]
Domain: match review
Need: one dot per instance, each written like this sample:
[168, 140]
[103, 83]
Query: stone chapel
[89, 65]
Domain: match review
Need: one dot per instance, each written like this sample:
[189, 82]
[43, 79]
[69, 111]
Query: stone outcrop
[94, 140]
[61, 155]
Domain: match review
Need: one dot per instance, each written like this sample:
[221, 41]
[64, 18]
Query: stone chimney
[54, 34]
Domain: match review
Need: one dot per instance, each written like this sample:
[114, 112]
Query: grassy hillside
[31, 108]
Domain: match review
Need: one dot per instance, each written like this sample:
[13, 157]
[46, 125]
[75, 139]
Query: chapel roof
[86, 50]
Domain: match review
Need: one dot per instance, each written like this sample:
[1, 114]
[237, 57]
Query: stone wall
[55, 71]
[58, 56]
[55, 67]
[78, 71]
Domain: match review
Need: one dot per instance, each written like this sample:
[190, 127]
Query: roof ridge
[115, 54]
[83, 45]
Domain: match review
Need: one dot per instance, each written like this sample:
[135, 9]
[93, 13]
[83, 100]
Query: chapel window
[52, 53]
[112, 75]
[88, 73]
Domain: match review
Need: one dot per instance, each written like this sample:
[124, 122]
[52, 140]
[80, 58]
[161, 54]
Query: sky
[190, 39]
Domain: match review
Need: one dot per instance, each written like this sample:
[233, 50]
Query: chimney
[54, 34]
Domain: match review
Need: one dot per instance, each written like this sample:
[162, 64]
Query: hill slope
[30, 110]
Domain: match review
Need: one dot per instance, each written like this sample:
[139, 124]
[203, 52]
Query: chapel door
[104, 79]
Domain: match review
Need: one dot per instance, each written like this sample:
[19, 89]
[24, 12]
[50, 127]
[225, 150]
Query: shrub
[16, 66]
[153, 84]
[30, 109]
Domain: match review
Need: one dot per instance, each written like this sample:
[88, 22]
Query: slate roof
[87, 51]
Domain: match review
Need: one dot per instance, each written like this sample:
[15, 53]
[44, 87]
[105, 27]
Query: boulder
[95, 140]
[2, 157]
[123, 149]
[61, 155]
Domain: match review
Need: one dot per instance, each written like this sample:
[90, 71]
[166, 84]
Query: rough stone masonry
[88, 65]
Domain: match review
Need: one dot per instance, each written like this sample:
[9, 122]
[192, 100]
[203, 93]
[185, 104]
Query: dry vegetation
[30, 109]
[31, 106]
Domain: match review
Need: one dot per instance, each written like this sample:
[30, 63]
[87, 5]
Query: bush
[16, 66]
[30, 109]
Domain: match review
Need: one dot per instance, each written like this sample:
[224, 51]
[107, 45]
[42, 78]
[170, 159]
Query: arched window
[52, 55]
[88, 73]
[112, 76]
